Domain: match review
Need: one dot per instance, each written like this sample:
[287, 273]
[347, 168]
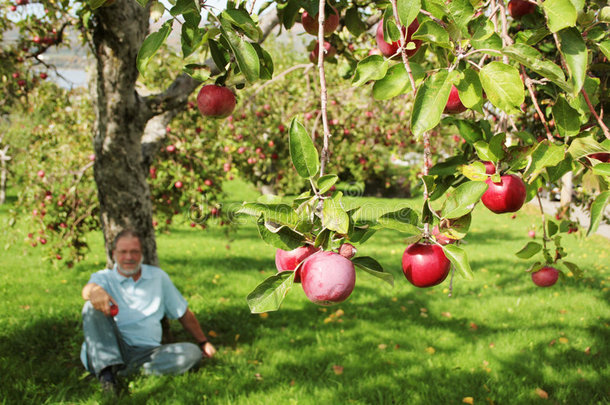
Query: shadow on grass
[42, 359]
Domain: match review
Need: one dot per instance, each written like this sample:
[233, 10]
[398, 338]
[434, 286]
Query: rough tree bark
[129, 128]
[119, 174]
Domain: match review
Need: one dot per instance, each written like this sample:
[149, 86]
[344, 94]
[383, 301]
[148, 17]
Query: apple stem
[323, 93]
[530, 89]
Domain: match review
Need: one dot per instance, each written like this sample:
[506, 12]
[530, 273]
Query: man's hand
[208, 350]
[99, 298]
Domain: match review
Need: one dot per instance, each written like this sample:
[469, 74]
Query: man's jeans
[104, 347]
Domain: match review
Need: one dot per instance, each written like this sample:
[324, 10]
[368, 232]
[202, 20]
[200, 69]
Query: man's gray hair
[127, 232]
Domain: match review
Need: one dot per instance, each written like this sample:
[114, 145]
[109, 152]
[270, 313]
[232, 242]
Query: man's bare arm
[191, 324]
[99, 298]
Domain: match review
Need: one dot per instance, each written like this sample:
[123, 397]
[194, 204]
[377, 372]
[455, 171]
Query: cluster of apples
[326, 277]
[330, 25]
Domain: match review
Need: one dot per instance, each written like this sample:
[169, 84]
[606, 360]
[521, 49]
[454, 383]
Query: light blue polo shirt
[143, 303]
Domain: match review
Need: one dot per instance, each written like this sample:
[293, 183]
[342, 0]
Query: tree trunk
[119, 171]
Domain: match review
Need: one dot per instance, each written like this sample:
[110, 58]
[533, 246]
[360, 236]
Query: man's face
[128, 255]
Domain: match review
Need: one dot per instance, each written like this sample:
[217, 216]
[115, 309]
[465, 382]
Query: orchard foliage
[533, 84]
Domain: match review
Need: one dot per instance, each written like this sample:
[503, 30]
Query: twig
[544, 237]
[530, 89]
[324, 155]
[403, 45]
[305, 66]
[597, 117]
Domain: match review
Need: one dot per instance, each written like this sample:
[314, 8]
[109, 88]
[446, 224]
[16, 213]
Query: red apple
[114, 310]
[390, 49]
[289, 260]
[40, 173]
[310, 24]
[506, 196]
[490, 168]
[531, 234]
[178, 184]
[215, 101]
[170, 148]
[425, 265]
[454, 104]
[43, 75]
[347, 250]
[545, 277]
[328, 278]
[519, 8]
[330, 52]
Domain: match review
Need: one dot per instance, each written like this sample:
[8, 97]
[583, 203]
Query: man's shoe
[108, 382]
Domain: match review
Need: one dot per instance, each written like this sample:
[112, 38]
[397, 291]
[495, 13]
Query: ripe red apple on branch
[288, 260]
[328, 278]
[545, 277]
[602, 157]
[490, 168]
[215, 101]
[519, 8]
[425, 265]
[454, 104]
[389, 50]
[330, 52]
[506, 196]
[331, 22]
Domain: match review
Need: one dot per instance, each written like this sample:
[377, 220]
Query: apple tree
[482, 68]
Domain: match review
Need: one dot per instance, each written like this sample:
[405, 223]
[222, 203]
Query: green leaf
[396, 81]
[461, 12]
[373, 67]
[373, 267]
[604, 46]
[323, 239]
[281, 237]
[462, 199]
[470, 90]
[280, 213]
[544, 155]
[408, 10]
[496, 146]
[197, 72]
[325, 182]
[459, 227]
[573, 267]
[567, 119]
[529, 250]
[557, 171]
[458, 258]
[560, 14]
[269, 294]
[151, 45]
[597, 211]
[303, 152]
[353, 22]
[581, 147]
[475, 171]
[430, 101]
[551, 228]
[184, 7]
[190, 39]
[602, 169]
[245, 55]
[241, 19]
[574, 52]
[219, 55]
[266, 62]
[469, 130]
[485, 152]
[430, 32]
[503, 86]
[482, 28]
[534, 60]
[334, 216]
[403, 220]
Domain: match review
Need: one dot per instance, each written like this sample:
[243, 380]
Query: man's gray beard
[129, 273]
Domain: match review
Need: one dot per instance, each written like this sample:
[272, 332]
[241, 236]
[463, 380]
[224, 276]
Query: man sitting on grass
[130, 341]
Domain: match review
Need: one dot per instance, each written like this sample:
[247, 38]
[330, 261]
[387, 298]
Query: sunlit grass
[499, 339]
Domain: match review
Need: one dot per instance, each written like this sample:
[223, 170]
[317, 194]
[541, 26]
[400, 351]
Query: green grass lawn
[498, 340]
